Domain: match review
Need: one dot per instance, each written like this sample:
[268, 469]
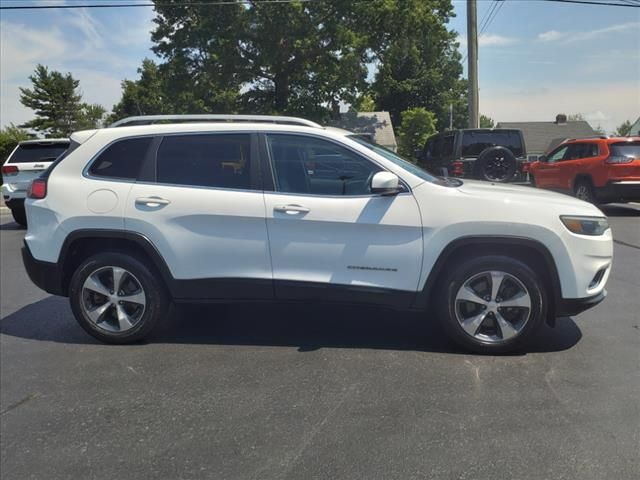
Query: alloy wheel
[113, 299]
[493, 306]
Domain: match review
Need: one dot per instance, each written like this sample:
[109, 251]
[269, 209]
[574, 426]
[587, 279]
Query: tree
[419, 62]
[364, 103]
[486, 122]
[417, 125]
[58, 104]
[144, 96]
[294, 58]
[576, 117]
[624, 129]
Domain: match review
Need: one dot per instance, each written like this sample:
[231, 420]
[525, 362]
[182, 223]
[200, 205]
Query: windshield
[395, 158]
[38, 152]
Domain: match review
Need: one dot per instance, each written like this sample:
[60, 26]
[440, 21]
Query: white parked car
[278, 208]
[27, 161]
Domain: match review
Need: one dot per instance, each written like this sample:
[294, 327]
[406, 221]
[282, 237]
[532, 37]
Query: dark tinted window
[220, 161]
[122, 159]
[625, 149]
[38, 152]
[313, 166]
[581, 150]
[447, 146]
[474, 142]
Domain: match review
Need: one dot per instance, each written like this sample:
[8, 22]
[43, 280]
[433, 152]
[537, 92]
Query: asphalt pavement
[317, 392]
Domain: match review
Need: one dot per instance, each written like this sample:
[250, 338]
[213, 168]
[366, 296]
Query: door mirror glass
[385, 183]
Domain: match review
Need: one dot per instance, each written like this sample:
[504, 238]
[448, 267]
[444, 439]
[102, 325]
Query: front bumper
[568, 307]
[619, 191]
[45, 275]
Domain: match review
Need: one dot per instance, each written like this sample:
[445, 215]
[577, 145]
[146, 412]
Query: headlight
[585, 225]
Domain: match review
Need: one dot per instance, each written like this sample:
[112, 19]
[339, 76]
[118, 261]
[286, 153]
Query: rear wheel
[19, 215]
[491, 304]
[584, 190]
[497, 164]
[116, 298]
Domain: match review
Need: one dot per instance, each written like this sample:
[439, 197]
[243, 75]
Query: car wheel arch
[82, 243]
[518, 247]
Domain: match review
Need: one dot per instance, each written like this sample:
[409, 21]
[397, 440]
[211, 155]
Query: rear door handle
[291, 209]
[152, 201]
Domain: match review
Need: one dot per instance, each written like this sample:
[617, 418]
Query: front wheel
[584, 191]
[491, 304]
[116, 298]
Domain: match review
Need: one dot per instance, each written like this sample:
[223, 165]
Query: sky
[536, 59]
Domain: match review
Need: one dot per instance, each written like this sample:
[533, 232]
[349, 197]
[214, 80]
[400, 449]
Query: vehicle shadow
[11, 226]
[620, 210]
[305, 326]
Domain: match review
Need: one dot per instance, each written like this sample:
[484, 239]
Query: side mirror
[385, 183]
[542, 158]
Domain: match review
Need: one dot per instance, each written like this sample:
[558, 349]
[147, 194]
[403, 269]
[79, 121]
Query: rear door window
[474, 142]
[581, 150]
[38, 152]
[121, 159]
[218, 160]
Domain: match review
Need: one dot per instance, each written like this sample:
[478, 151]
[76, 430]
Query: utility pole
[472, 55]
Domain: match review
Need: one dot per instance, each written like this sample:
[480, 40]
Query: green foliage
[57, 104]
[417, 125]
[624, 129]
[575, 117]
[364, 103]
[144, 96]
[486, 122]
[419, 62]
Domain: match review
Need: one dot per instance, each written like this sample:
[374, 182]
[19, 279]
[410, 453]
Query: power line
[495, 14]
[159, 4]
[490, 16]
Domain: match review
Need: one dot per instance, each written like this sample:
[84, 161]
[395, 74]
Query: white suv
[27, 161]
[277, 208]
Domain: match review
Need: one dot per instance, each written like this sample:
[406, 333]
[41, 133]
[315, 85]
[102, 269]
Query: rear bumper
[568, 307]
[619, 191]
[45, 275]
[10, 192]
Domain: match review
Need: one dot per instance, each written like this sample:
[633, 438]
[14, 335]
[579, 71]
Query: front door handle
[152, 201]
[291, 209]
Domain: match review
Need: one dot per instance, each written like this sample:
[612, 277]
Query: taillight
[9, 170]
[37, 189]
[619, 159]
[457, 168]
[525, 167]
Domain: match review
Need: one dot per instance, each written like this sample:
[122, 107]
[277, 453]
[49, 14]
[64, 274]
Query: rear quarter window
[122, 159]
[625, 149]
[37, 152]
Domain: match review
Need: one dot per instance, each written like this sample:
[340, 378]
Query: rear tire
[116, 298]
[495, 164]
[490, 319]
[584, 191]
[19, 216]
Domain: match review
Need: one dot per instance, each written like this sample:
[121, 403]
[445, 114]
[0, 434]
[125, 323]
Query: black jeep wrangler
[495, 155]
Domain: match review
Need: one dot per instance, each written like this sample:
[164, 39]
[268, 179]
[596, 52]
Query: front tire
[116, 298]
[584, 191]
[491, 304]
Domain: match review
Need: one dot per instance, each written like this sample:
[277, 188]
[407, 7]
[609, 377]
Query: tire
[583, 190]
[19, 216]
[532, 180]
[483, 331]
[123, 316]
[495, 164]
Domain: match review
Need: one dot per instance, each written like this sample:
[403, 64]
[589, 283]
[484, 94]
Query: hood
[531, 196]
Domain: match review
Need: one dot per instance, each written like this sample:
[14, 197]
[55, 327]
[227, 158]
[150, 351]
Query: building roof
[539, 136]
[635, 128]
[376, 124]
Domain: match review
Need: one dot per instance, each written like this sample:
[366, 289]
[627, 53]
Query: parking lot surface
[311, 391]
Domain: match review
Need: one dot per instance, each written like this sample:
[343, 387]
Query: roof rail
[151, 119]
[602, 137]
